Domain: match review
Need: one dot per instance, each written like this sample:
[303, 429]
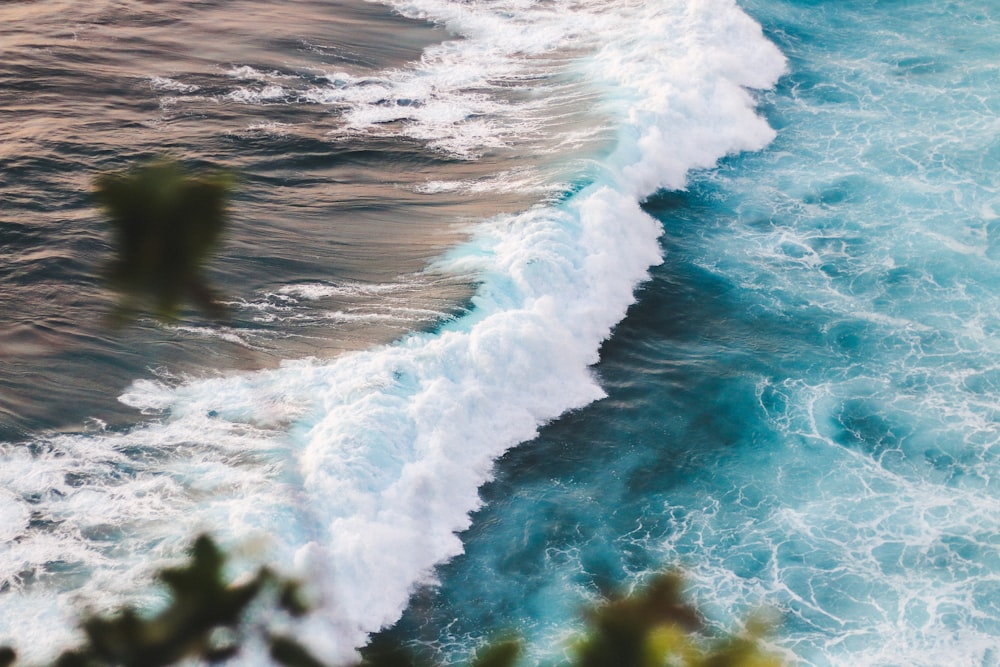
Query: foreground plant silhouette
[207, 620]
[166, 222]
[656, 626]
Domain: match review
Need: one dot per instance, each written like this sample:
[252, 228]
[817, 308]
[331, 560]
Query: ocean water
[530, 299]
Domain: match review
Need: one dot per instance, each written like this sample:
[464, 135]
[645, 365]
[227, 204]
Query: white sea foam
[302, 304]
[315, 291]
[273, 128]
[228, 334]
[267, 93]
[508, 181]
[166, 83]
[361, 470]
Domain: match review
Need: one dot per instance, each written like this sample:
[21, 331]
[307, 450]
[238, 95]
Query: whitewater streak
[361, 470]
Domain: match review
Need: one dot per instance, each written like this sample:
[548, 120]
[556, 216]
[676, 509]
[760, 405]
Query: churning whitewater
[358, 472]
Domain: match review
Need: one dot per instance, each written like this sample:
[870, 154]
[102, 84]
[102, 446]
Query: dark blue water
[798, 408]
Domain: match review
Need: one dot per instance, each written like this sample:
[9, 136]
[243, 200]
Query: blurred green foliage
[208, 620]
[205, 619]
[656, 626]
[166, 222]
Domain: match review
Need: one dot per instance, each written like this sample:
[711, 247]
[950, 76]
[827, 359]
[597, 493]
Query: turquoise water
[802, 405]
[779, 372]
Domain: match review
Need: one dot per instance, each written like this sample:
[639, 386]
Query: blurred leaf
[291, 599]
[73, 659]
[203, 620]
[165, 225]
[384, 651]
[621, 628]
[498, 654]
[656, 626]
[673, 645]
[288, 652]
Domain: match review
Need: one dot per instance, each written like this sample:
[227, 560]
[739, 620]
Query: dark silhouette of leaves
[166, 223]
[498, 654]
[657, 626]
[205, 620]
[288, 652]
